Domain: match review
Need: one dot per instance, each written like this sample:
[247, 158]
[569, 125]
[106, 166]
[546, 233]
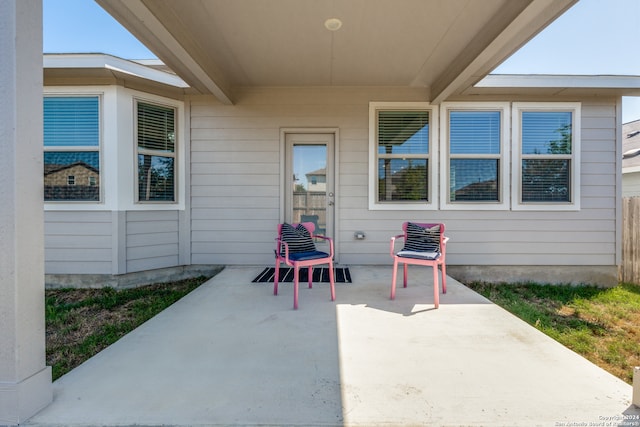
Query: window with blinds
[403, 155]
[546, 156]
[71, 135]
[475, 156]
[156, 152]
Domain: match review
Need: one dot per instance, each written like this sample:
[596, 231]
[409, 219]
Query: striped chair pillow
[421, 239]
[298, 238]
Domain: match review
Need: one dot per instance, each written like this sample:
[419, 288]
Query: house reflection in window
[68, 180]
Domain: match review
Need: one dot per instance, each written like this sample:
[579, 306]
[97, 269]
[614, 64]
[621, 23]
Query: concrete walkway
[231, 353]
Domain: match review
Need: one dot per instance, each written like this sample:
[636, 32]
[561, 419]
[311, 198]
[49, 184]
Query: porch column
[25, 380]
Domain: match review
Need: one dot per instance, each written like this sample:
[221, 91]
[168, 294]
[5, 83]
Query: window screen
[71, 131]
[403, 156]
[546, 156]
[156, 139]
[474, 156]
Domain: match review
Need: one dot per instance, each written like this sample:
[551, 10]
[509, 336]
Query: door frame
[336, 178]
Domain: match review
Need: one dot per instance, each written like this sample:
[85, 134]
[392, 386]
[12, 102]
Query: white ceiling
[443, 45]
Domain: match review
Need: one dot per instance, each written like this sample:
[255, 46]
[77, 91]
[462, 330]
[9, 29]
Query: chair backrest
[440, 226]
[424, 225]
[310, 226]
[315, 220]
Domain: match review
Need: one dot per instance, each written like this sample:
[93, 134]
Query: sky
[593, 37]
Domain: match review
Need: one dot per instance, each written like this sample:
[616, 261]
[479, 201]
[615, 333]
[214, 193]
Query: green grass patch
[601, 324]
[82, 322]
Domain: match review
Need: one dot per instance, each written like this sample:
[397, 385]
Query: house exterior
[194, 159]
[631, 159]
[523, 170]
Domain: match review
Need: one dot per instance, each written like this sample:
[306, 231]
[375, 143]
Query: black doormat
[341, 275]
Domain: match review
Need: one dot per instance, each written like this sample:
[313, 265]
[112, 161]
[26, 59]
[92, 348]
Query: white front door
[309, 183]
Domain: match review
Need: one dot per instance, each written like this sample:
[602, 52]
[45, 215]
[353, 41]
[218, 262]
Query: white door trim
[336, 179]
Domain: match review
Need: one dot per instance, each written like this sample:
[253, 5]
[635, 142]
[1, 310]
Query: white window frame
[118, 163]
[516, 185]
[52, 92]
[503, 157]
[174, 154]
[432, 190]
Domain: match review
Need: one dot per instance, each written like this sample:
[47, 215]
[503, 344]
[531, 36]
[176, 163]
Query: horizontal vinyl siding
[235, 164]
[235, 191]
[585, 237]
[152, 240]
[78, 242]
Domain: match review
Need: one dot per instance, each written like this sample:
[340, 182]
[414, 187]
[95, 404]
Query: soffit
[216, 45]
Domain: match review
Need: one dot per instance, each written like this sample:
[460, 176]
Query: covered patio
[231, 353]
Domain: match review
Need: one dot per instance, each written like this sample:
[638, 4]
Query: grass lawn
[82, 322]
[601, 324]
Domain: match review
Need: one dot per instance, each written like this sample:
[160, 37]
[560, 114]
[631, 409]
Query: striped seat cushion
[298, 238]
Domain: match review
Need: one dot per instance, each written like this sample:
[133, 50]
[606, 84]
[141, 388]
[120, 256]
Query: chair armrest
[443, 245]
[329, 239]
[279, 244]
[393, 243]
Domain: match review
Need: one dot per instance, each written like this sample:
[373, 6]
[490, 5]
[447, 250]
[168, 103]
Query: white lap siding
[78, 242]
[152, 240]
[236, 200]
[105, 242]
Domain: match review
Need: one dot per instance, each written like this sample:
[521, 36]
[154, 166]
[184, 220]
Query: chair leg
[436, 288]
[332, 282]
[444, 278]
[310, 274]
[406, 270]
[276, 277]
[295, 287]
[393, 278]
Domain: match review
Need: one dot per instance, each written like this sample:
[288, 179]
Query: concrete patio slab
[231, 353]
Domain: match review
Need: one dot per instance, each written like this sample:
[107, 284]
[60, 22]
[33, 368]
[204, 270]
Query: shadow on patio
[231, 353]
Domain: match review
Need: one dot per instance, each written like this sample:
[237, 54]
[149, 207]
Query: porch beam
[138, 19]
[496, 43]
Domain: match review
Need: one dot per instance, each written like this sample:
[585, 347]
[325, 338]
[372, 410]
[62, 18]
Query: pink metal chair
[424, 244]
[295, 247]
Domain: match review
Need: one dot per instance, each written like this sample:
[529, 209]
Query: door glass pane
[310, 185]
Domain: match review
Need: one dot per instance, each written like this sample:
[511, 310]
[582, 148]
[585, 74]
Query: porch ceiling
[443, 45]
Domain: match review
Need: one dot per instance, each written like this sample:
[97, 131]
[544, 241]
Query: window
[71, 147]
[402, 167]
[156, 152]
[475, 136]
[547, 155]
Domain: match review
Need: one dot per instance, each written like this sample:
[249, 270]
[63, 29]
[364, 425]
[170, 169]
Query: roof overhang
[96, 69]
[443, 46]
[556, 85]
